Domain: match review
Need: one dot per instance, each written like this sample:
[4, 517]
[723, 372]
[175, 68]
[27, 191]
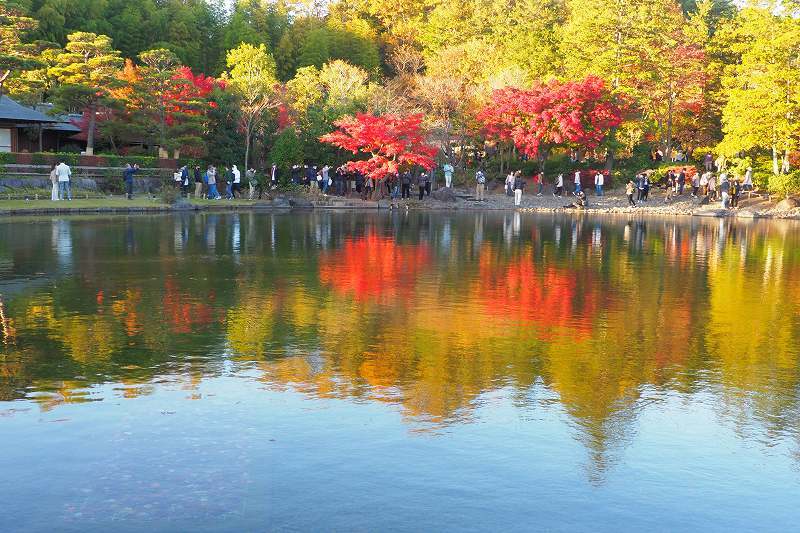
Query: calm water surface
[394, 371]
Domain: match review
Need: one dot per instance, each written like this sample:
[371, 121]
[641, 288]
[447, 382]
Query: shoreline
[611, 204]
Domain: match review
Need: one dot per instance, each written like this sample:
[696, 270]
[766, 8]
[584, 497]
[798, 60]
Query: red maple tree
[569, 114]
[392, 142]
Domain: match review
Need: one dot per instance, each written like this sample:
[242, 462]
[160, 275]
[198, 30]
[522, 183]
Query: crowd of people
[229, 183]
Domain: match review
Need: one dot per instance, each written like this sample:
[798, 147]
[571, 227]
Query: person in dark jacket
[127, 175]
[198, 182]
[421, 181]
[405, 185]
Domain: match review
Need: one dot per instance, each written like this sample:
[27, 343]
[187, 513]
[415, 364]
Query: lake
[352, 371]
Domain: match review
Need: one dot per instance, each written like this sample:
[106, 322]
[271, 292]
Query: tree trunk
[90, 132]
[775, 167]
[247, 147]
[668, 151]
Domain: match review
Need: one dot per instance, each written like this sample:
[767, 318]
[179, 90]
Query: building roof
[11, 111]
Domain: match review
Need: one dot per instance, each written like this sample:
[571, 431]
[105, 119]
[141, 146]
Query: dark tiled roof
[11, 111]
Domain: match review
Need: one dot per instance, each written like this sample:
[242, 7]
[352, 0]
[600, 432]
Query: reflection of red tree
[547, 296]
[373, 267]
[181, 312]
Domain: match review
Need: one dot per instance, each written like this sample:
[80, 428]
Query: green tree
[251, 75]
[15, 55]
[86, 71]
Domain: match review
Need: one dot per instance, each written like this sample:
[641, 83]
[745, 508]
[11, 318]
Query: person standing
[724, 189]
[510, 183]
[273, 176]
[577, 181]
[252, 181]
[54, 183]
[428, 178]
[646, 187]
[64, 188]
[747, 184]
[447, 168]
[326, 178]
[640, 187]
[670, 186]
[704, 183]
[405, 185]
[198, 182]
[681, 181]
[127, 176]
[599, 180]
[519, 184]
[480, 186]
[559, 186]
[708, 162]
[712, 188]
[539, 180]
[421, 180]
[629, 188]
[736, 191]
[185, 181]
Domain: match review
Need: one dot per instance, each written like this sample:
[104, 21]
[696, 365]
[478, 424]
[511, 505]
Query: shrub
[785, 184]
[169, 195]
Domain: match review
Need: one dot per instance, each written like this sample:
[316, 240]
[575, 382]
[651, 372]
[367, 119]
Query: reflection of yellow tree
[249, 324]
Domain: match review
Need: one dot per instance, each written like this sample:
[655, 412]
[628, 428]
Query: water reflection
[596, 318]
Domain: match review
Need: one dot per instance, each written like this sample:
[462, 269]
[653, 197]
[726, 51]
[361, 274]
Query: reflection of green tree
[665, 306]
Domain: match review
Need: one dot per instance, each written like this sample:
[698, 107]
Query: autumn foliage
[391, 142]
[572, 114]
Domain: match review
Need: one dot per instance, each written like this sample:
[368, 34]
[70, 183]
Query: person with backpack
[480, 186]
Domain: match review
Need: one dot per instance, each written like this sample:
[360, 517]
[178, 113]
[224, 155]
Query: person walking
[421, 180]
[599, 180]
[368, 188]
[681, 181]
[236, 186]
[273, 176]
[198, 182]
[127, 176]
[646, 187]
[54, 183]
[447, 168]
[558, 189]
[211, 177]
[519, 184]
[695, 185]
[480, 186]
[428, 181]
[577, 181]
[64, 174]
[629, 188]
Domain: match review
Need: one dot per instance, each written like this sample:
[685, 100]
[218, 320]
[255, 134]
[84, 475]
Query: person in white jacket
[559, 186]
[599, 180]
[236, 188]
[577, 181]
